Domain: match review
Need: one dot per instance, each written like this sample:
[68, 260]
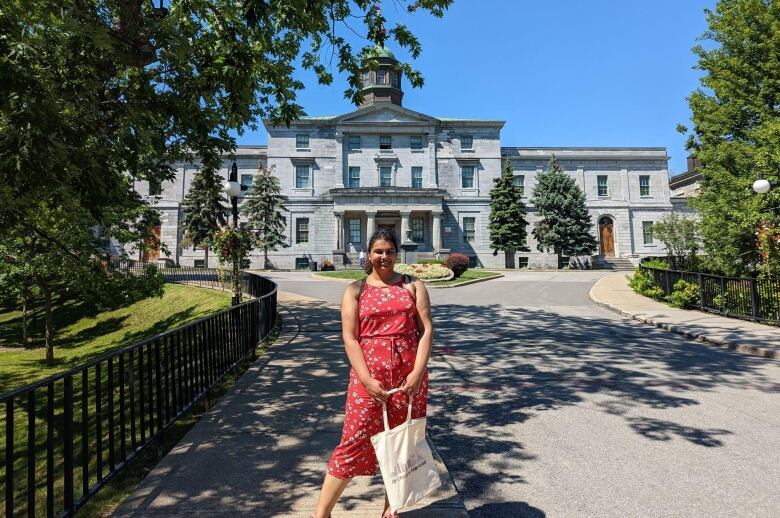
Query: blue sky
[559, 72]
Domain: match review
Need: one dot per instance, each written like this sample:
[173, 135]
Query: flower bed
[425, 272]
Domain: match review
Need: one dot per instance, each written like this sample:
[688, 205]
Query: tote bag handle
[384, 409]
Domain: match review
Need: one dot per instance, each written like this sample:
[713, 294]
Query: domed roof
[382, 52]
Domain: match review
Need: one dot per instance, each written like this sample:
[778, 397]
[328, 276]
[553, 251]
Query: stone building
[426, 178]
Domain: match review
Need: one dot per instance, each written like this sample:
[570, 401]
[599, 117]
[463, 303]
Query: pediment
[389, 113]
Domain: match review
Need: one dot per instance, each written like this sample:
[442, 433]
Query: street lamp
[762, 185]
[232, 188]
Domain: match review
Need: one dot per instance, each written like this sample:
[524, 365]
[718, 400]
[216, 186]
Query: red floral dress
[388, 338]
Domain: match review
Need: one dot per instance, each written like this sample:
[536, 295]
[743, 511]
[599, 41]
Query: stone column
[339, 166]
[370, 226]
[404, 224]
[436, 234]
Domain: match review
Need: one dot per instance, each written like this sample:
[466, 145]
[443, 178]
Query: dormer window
[385, 142]
[380, 77]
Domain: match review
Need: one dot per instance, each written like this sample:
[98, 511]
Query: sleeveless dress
[388, 338]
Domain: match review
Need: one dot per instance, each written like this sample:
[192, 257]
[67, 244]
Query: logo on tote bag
[401, 470]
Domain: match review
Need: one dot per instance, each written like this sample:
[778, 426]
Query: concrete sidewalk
[263, 449]
[614, 293]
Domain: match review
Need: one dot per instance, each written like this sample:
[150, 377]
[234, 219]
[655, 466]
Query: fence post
[701, 292]
[754, 300]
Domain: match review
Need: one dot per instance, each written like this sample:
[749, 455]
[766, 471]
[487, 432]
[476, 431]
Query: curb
[701, 337]
[427, 284]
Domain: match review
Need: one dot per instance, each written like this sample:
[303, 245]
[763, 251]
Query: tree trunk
[509, 259]
[46, 291]
[558, 253]
[24, 319]
[206, 257]
[265, 258]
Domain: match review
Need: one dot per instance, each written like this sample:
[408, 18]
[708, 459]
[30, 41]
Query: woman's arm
[424, 321]
[350, 330]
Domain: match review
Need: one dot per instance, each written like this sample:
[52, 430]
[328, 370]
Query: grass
[83, 333]
[468, 275]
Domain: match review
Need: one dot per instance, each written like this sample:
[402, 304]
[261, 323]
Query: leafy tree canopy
[736, 129]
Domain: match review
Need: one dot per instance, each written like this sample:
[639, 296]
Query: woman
[387, 330]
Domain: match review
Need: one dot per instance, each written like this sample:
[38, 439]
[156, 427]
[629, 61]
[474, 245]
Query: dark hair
[382, 233]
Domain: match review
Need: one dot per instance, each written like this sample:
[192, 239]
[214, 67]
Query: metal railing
[66, 436]
[739, 297]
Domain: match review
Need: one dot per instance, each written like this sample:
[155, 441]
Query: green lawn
[468, 275]
[83, 333]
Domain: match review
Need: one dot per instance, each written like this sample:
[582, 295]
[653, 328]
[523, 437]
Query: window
[647, 232]
[644, 185]
[469, 231]
[302, 177]
[416, 142]
[354, 231]
[417, 230]
[301, 141]
[302, 230]
[380, 77]
[385, 176]
[199, 263]
[602, 185]
[394, 79]
[522, 262]
[246, 182]
[155, 188]
[366, 78]
[354, 177]
[353, 143]
[467, 176]
[417, 177]
[466, 142]
[385, 142]
[519, 181]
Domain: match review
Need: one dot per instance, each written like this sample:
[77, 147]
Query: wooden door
[152, 249]
[607, 237]
[387, 226]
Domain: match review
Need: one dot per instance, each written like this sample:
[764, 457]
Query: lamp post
[762, 185]
[232, 188]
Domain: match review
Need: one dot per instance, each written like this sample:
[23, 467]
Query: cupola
[382, 84]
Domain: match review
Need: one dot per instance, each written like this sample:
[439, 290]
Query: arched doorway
[606, 237]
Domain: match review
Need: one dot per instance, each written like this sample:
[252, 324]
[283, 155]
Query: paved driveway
[544, 404]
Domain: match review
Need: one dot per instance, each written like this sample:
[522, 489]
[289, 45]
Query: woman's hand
[411, 385]
[376, 390]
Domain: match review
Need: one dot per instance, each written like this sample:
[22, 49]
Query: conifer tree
[203, 207]
[263, 208]
[507, 215]
[565, 223]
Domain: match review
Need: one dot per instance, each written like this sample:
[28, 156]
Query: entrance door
[387, 226]
[152, 249]
[607, 237]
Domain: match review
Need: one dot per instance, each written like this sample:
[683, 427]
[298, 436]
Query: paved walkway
[263, 449]
[614, 293]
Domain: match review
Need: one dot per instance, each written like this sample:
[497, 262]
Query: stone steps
[620, 264]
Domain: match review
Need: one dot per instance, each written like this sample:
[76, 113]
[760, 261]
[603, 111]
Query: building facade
[426, 178]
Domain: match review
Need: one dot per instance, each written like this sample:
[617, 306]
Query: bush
[685, 295]
[458, 263]
[643, 283]
[425, 272]
[659, 264]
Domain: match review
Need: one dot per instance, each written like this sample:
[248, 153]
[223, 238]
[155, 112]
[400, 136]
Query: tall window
[417, 230]
[302, 177]
[469, 229]
[155, 188]
[467, 176]
[366, 78]
[602, 185]
[380, 77]
[416, 142]
[644, 185]
[353, 143]
[302, 141]
[394, 79]
[417, 177]
[518, 181]
[354, 231]
[302, 230]
[385, 176]
[354, 177]
[246, 182]
[385, 142]
[466, 142]
[647, 232]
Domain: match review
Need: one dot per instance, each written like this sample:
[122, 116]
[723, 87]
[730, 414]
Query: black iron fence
[739, 297]
[66, 436]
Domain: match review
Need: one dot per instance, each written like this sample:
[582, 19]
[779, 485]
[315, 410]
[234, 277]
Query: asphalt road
[544, 404]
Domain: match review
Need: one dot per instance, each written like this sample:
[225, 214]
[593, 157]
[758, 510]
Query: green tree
[203, 208]
[680, 236]
[736, 129]
[565, 223]
[263, 207]
[507, 223]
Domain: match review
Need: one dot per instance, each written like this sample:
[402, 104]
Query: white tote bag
[405, 460]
